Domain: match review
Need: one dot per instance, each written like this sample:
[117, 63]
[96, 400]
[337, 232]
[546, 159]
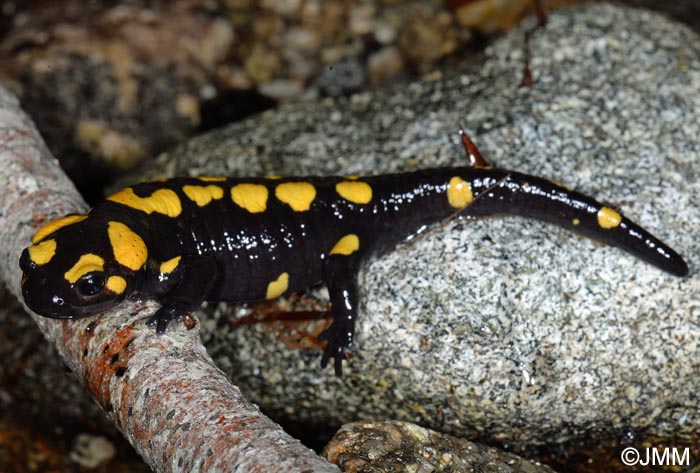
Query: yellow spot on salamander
[202, 195]
[355, 192]
[608, 218]
[86, 264]
[298, 195]
[42, 252]
[576, 221]
[116, 284]
[162, 201]
[252, 197]
[278, 287]
[211, 179]
[346, 245]
[459, 193]
[129, 248]
[170, 265]
[54, 225]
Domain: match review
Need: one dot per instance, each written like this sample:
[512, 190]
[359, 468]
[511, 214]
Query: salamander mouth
[66, 311]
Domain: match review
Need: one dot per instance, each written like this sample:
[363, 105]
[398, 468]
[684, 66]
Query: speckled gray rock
[506, 328]
[398, 447]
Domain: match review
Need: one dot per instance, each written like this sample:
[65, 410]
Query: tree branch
[164, 393]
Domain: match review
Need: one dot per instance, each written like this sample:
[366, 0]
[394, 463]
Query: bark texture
[164, 393]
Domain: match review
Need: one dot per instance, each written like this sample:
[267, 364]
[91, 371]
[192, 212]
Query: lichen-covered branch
[163, 392]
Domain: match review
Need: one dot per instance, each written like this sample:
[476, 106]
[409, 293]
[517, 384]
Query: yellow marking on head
[202, 195]
[86, 264]
[129, 248]
[116, 284]
[576, 221]
[346, 245]
[608, 218]
[162, 201]
[278, 287]
[170, 265]
[298, 195]
[54, 225]
[42, 252]
[355, 192]
[459, 193]
[252, 197]
[211, 178]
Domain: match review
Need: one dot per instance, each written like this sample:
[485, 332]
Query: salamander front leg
[189, 285]
[341, 279]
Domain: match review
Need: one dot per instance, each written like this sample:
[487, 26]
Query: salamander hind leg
[341, 279]
[189, 284]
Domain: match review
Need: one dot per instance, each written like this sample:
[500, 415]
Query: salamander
[190, 239]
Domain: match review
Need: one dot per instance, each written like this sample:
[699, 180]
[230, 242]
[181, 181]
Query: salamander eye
[90, 284]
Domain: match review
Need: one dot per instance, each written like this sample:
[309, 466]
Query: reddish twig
[470, 149]
[541, 11]
[163, 392]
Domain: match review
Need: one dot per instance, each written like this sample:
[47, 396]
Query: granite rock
[502, 327]
[396, 447]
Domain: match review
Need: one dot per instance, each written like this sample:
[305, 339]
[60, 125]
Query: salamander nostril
[24, 261]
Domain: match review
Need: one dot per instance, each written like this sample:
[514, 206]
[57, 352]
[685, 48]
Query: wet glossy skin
[187, 240]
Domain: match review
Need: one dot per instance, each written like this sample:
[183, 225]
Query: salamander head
[78, 267]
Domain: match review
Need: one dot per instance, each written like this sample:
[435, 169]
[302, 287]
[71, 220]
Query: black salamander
[187, 240]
